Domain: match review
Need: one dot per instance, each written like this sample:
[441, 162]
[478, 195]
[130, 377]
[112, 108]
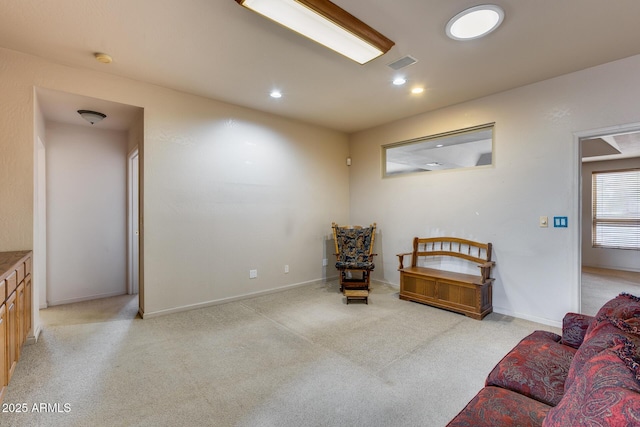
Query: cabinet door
[20, 302]
[12, 335]
[28, 297]
[4, 374]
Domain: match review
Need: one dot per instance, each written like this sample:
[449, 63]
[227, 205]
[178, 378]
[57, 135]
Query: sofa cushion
[598, 338]
[537, 367]
[606, 393]
[574, 328]
[494, 406]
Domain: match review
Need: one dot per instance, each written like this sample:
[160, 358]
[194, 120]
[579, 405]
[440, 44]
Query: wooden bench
[468, 294]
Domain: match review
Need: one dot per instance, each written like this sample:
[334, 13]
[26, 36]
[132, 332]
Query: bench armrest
[485, 270]
[401, 259]
[574, 328]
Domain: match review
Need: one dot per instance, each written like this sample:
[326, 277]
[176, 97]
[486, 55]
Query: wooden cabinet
[28, 296]
[16, 292]
[12, 335]
[4, 379]
[22, 322]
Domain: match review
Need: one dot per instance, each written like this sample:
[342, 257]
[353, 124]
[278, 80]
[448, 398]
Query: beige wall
[536, 173]
[226, 189]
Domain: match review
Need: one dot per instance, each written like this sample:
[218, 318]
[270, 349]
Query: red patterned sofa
[589, 376]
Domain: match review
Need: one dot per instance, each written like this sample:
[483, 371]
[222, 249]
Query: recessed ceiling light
[417, 90]
[103, 57]
[275, 94]
[475, 22]
[399, 81]
[439, 145]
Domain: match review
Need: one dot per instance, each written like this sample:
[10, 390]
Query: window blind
[616, 209]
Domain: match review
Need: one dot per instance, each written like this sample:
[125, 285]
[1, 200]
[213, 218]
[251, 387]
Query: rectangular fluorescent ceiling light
[327, 24]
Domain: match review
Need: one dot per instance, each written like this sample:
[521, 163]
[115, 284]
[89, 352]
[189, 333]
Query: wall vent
[405, 61]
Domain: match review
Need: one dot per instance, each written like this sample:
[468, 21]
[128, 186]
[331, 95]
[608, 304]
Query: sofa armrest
[574, 328]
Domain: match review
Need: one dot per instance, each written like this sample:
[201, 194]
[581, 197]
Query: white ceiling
[218, 49]
[611, 147]
[63, 108]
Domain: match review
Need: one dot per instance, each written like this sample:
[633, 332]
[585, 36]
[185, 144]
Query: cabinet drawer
[11, 284]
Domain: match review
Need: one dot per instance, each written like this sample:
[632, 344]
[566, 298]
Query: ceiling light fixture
[475, 22]
[327, 24]
[103, 57]
[92, 117]
[417, 90]
[275, 94]
[399, 81]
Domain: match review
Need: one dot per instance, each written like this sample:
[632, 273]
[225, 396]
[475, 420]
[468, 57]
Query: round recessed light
[103, 57]
[275, 94]
[475, 22]
[417, 90]
[399, 81]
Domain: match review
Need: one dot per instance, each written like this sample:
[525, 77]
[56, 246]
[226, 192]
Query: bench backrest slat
[450, 246]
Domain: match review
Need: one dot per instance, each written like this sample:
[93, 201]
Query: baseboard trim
[32, 339]
[384, 282]
[152, 314]
[87, 298]
[610, 269]
[523, 316]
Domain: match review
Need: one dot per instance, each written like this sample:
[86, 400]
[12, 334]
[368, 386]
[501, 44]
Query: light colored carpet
[296, 358]
[600, 285]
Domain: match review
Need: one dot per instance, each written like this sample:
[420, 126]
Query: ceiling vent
[405, 61]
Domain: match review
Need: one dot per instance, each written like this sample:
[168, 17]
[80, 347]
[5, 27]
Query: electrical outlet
[325, 262]
[286, 268]
[253, 274]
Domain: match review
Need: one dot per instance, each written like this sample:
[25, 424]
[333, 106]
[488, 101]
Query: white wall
[225, 189]
[598, 257]
[86, 213]
[536, 173]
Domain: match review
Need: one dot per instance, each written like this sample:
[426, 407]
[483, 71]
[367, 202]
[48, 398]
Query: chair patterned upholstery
[354, 248]
[354, 253]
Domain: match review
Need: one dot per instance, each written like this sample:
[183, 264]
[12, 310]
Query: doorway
[605, 270]
[81, 206]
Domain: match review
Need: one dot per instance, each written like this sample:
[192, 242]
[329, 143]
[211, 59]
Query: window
[462, 148]
[616, 209]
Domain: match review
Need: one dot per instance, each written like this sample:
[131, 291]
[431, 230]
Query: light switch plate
[253, 274]
[544, 221]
